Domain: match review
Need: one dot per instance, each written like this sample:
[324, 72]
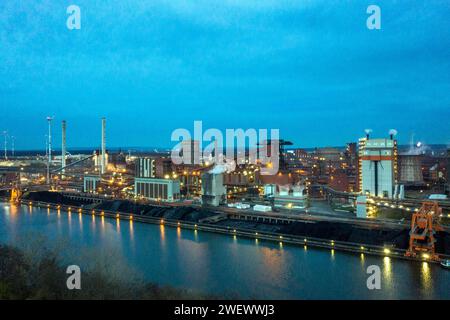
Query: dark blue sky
[310, 68]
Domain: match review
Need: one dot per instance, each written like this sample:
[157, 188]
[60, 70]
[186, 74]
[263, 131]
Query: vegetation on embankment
[41, 274]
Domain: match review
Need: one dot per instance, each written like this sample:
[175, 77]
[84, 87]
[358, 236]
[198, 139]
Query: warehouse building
[157, 189]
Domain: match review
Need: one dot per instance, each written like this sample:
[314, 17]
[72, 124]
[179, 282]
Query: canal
[226, 265]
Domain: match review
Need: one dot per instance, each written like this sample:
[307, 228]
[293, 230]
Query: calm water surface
[221, 264]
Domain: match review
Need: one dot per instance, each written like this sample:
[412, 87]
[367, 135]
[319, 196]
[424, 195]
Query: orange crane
[424, 225]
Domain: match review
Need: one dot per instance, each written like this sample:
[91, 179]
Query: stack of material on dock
[55, 198]
[190, 214]
[371, 236]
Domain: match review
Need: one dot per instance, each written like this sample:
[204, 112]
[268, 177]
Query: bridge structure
[331, 194]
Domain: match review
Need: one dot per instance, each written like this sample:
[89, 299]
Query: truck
[262, 208]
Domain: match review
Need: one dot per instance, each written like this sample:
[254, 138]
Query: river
[228, 265]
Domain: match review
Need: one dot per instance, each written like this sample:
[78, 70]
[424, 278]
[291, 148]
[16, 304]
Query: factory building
[189, 181]
[328, 154]
[339, 181]
[91, 184]
[145, 168]
[410, 169]
[213, 190]
[157, 189]
[302, 154]
[377, 166]
[9, 178]
[241, 177]
[291, 197]
[98, 159]
[163, 167]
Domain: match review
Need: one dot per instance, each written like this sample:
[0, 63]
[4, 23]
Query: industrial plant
[359, 185]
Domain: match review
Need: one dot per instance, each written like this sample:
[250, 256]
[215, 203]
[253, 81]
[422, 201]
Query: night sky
[309, 68]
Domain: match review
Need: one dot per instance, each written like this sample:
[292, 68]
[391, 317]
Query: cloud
[311, 59]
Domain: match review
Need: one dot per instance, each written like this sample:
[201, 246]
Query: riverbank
[189, 218]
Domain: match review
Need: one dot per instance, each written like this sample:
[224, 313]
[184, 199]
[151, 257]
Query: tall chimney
[63, 148]
[392, 133]
[103, 159]
[49, 156]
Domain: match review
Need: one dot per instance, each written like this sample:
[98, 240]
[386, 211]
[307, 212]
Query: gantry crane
[17, 190]
[424, 225]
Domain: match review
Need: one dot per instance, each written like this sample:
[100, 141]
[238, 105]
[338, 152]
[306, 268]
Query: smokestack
[49, 159]
[103, 159]
[368, 131]
[392, 133]
[5, 134]
[13, 139]
[63, 148]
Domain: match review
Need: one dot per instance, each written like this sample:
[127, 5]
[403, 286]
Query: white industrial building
[378, 167]
[165, 190]
[214, 193]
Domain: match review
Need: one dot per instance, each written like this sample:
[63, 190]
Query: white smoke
[393, 132]
[222, 168]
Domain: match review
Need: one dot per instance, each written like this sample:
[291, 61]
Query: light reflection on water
[161, 231]
[69, 220]
[426, 278]
[217, 263]
[131, 235]
[80, 221]
[387, 270]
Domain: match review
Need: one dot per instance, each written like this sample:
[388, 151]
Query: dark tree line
[28, 276]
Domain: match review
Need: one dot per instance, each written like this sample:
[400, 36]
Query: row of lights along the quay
[386, 251]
